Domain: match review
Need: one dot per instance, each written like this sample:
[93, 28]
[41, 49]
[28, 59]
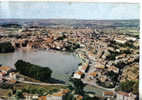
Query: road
[94, 84]
[36, 83]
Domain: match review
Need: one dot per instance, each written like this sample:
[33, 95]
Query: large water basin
[62, 64]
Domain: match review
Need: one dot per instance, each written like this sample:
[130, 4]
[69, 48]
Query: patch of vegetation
[69, 96]
[12, 25]
[34, 71]
[6, 86]
[77, 89]
[19, 94]
[6, 47]
[39, 89]
[130, 86]
[77, 86]
[105, 84]
[112, 55]
[71, 47]
[113, 76]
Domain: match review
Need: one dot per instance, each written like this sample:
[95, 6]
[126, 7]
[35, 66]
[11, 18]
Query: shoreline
[76, 55]
[59, 75]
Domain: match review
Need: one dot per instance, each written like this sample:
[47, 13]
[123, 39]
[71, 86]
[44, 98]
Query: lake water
[62, 64]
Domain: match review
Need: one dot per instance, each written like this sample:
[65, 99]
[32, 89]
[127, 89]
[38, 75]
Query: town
[109, 60]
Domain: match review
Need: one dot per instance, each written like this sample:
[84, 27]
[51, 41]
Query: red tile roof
[42, 98]
[5, 68]
[123, 93]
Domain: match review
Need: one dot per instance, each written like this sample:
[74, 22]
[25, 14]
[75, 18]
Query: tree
[6, 86]
[69, 96]
[35, 71]
[78, 86]
[114, 77]
[19, 94]
[136, 87]
[127, 86]
[6, 47]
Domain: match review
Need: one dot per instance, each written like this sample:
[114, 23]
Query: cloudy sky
[49, 10]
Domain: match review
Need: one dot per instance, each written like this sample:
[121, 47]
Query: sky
[61, 10]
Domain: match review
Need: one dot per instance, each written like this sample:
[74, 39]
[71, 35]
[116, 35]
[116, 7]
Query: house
[28, 96]
[99, 66]
[131, 38]
[121, 56]
[125, 96]
[113, 68]
[12, 76]
[108, 94]
[5, 69]
[42, 98]
[78, 75]
[111, 48]
[83, 68]
[120, 40]
[57, 96]
[35, 97]
[54, 97]
[92, 75]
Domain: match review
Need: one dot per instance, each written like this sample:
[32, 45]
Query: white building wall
[54, 98]
[119, 97]
[77, 76]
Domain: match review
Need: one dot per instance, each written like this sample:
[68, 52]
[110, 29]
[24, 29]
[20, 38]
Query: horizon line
[62, 19]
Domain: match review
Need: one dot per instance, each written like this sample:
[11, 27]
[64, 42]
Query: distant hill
[72, 23]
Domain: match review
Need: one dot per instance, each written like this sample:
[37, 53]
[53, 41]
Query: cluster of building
[7, 75]
[99, 66]
[81, 70]
[95, 50]
[55, 96]
[119, 95]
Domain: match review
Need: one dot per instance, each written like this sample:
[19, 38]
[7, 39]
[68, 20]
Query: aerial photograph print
[69, 50]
